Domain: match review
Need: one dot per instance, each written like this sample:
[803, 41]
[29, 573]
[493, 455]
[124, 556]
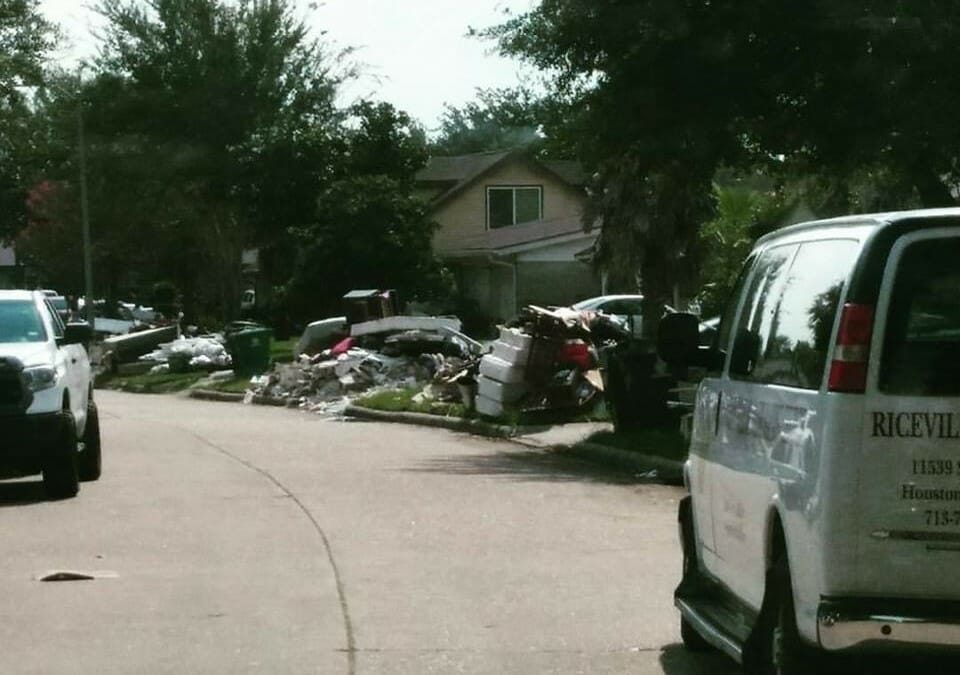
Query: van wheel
[60, 480]
[89, 462]
[692, 640]
[777, 648]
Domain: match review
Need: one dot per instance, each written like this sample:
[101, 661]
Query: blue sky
[413, 53]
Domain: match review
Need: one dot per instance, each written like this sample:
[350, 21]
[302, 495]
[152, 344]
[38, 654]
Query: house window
[513, 205]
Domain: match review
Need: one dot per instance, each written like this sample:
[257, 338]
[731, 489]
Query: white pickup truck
[47, 412]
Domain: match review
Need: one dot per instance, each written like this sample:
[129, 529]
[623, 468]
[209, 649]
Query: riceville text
[916, 425]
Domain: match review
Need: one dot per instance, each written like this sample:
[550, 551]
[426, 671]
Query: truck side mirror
[77, 333]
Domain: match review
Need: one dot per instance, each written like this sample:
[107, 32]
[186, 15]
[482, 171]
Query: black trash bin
[636, 395]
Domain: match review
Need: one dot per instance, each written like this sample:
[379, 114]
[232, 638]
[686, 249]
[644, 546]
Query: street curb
[452, 423]
[226, 396]
[668, 471]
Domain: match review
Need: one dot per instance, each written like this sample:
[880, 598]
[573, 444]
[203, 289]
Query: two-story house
[510, 226]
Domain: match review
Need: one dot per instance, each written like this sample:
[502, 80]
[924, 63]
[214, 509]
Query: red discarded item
[576, 352]
[343, 346]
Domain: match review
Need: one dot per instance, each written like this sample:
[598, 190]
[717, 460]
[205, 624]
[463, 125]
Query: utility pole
[88, 306]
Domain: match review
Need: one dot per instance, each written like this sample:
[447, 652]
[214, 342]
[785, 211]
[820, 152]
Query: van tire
[777, 648]
[89, 461]
[60, 479]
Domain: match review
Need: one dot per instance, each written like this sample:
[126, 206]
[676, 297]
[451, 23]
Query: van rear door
[908, 497]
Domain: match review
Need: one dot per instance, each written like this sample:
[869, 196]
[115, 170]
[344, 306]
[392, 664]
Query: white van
[823, 513]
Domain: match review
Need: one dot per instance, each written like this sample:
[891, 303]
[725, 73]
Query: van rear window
[921, 350]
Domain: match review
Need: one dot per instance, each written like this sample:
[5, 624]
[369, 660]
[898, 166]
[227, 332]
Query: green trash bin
[250, 350]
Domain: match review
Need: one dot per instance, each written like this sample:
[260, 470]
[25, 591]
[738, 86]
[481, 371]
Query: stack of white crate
[502, 380]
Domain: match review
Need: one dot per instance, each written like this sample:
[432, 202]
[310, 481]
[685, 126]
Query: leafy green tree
[499, 119]
[726, 241]
[370, 229]
[222, 117]
[25, 37]
[666, 93]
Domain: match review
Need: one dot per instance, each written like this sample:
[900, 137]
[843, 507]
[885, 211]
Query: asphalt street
[241, 539]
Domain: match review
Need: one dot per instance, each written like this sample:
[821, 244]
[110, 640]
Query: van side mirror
[77, 333]
[680, 343]
[678, 338]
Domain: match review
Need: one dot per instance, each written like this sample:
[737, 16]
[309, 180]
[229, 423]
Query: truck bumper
[26, 441]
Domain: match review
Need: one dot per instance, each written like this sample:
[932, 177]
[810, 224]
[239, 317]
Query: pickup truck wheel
[60, 480]
[89, 462]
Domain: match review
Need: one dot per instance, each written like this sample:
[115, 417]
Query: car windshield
[20, 322]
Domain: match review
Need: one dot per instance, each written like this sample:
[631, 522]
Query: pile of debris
[395, 352]
[206, 352]
[546, 361]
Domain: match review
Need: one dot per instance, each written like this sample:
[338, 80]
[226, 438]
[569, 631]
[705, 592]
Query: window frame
[56, 321]
[513, 189]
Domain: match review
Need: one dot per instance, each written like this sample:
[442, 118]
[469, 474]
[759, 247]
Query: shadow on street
[678, 660]
[532, 465]
[21, 493]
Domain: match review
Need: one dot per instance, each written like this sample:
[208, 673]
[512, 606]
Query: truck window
[922, 337]
[19, 322]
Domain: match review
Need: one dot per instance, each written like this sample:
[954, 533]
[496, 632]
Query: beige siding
[465, 215]
[491, 287]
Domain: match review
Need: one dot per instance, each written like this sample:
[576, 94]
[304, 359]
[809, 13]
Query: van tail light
[848, 371]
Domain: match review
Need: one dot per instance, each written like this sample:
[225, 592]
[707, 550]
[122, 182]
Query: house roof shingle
[456, 172]
[458, 168]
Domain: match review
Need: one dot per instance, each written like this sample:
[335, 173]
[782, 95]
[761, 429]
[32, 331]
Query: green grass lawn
[161, 383]
[281, 351]
[235, 385]
[401, 400]
[168, 383]
[659, 442]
